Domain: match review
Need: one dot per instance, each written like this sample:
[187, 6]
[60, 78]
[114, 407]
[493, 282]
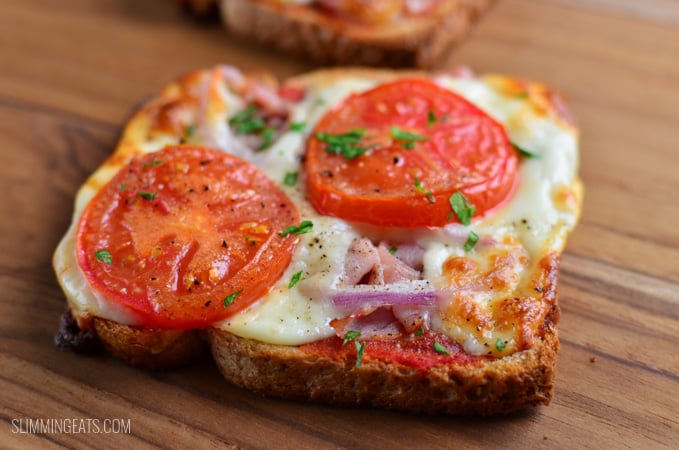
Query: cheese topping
[478, 286]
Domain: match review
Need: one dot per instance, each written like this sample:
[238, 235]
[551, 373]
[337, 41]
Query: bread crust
[149, 348]
[494, 387]
[306, 32]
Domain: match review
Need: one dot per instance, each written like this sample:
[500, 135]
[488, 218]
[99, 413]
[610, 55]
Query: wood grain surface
[72, 71]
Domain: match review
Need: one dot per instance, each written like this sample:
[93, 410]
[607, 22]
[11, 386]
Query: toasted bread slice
[307, 31]
[193, 109]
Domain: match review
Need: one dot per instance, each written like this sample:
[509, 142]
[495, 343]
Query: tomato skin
[185, 228]
[409, 185]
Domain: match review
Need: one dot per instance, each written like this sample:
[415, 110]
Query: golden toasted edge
[150, 348]
[305, 32]
[495, 387]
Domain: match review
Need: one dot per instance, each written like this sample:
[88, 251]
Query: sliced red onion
[234, 77]
[373, 296]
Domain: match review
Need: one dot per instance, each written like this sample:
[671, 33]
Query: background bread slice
[307, 32]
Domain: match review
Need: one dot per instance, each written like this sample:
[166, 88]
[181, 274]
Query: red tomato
[178, 233]
[404, 180]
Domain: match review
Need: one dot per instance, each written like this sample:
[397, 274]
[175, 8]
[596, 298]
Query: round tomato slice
[394, 156]
[186, 236]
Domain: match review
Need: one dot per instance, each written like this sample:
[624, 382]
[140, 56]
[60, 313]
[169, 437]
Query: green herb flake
[148, 195]
[422, 190]
[228, 300]
[500, 344]
[393, 250]
[304, 227]
[296, 278]
[122, 187]
[153, 163]
[419, 332]
[472, 239]
[360, 347]
[438, 348]
[104, 256]
[462, 208]
[523, 152]
[431, 118]
[268, 134]
[290, 178]
[297, 126]
[406, 138]
[345, 144]
[351, 335]
[190, 131]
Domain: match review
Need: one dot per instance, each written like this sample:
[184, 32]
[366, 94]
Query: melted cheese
[529, 226]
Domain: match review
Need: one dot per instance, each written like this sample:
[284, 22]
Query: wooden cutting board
[70, 74]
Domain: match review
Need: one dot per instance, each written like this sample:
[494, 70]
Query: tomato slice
[186, 236]
[424, 143]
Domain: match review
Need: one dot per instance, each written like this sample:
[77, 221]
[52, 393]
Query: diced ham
[378, 323]
[393, 268]
[412, 317]
[362, 261]
[410, 254]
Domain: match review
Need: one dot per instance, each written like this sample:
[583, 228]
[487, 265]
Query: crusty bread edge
[493, 387]
[305, 32]
[149, 348]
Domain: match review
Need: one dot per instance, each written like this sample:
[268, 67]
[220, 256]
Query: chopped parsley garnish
[267, 133]
[360, 347]
[122, 187]
[190, 131]
[154, 162]
[104, 256]
[393, 250]
[345, 144]
[296, 278]
[421, 189]
[419, 332]
[304, 227]
[472, 239]
[148, 195]
[523, 152]
[228, 300]
[406, 138]
[290, 178]
[351, 335]
[245, 122]
[500, 344]
[438, 348]
[462, 208]
[297, 126]
[431, 118]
